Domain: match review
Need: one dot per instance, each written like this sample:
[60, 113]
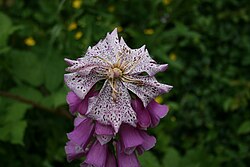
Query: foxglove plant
[111, 123]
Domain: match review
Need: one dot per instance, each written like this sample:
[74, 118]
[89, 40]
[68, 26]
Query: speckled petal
[147, 88]
[84, 65]
[110, 112]
[140, 60]
[106, 48]
[81, 85]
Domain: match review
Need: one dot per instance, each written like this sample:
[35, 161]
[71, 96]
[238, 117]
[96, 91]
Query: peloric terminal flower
[112, 111]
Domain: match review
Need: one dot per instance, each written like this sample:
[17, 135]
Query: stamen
[126, 79]
[112, 85]
[119, 61]
[104, 60]
[133, 66]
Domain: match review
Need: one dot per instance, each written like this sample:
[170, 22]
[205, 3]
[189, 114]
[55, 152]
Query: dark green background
[205, 42]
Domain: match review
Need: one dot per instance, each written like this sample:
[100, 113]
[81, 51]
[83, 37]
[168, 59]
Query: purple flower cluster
[111, 122]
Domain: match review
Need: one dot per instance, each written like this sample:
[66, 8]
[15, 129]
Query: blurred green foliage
[205, 42]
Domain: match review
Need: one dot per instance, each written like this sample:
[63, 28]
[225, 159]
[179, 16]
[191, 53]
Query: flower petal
[97, 155]
[79, 120]
[109, 111]
[104, 133]
[104, 139]
[83, 65]
[106, 48]
[130, 138]
[73, 151]
[82, 133]
[110, 162]
[143, 116]
[81, 85]
[101, 129]
[78, 105]
[147, 88]
[156, 112]
[73, 101]
[126, 160]
[148, 143]
[140, 60]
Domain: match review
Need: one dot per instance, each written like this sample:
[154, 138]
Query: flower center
[117, 72]
[114, 72]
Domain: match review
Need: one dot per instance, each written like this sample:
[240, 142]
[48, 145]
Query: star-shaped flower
[123, 69]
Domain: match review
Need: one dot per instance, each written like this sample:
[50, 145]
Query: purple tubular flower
[156, 111]
[111, 117]
[104, 133]
[82, 133]
[130, 138]
[96, 156]
[78, 120]
[111, 161]
[143, 116]
[126, 160]
[73, 151]
[101, 129]
[148, 143]
[78, 105]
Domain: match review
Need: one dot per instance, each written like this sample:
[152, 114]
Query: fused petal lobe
[146, 88]
[110, 111]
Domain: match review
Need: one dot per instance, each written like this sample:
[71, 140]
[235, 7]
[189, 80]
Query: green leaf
[5, 29]
[17, 130]
[171, 158]
[13, 127]
[27, 67]
[53, 71]
[244, 127]
[148, 160]
[16, 112]
[60, 98]
[28, 93]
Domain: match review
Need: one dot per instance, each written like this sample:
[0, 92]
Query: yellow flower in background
[111, 8]
[72, 26]
[166, 2]
[149, 31]
[159, 99]
[78, 35]
[172, 56]
[119, 29]
[76, 4]
[30, 41]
